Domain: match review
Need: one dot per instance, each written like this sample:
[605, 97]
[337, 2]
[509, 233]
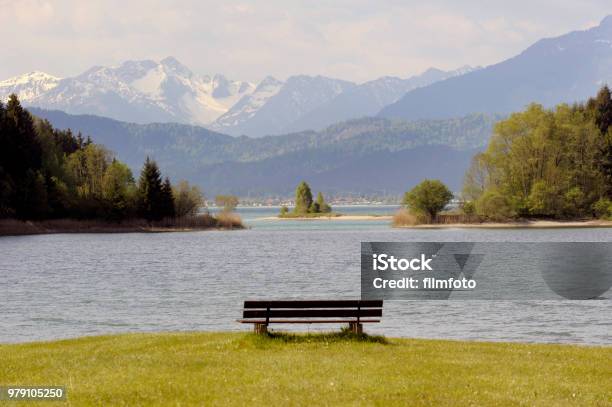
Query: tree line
[49, 173]
[541, 162]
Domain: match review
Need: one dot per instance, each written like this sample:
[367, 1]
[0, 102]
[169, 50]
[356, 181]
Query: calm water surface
[58, 286]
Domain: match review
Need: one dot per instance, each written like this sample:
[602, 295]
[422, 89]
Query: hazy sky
[351, 39]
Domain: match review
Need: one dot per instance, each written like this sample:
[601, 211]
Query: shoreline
[332, 331]
[338, 217]
[13, 227]
[530, 224]
[535, 224]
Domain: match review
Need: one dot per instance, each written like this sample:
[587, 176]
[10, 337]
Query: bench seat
[354, 312]
[305, 321]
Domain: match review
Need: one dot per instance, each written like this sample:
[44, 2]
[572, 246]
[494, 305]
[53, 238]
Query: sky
[356, 40]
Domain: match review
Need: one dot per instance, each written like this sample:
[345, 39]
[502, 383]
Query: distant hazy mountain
[568, 68]
[369, 98]
[282, 105]
[137, 91]
[370, 155]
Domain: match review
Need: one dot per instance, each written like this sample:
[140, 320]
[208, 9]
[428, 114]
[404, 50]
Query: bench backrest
[270, 310]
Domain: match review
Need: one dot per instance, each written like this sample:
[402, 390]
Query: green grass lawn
[239, 369]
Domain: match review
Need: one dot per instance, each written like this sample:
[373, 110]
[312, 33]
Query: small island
[306, 207]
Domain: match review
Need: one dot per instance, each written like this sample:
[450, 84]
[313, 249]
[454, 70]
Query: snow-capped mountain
[248, 106]
[274, 106]
[28, 86]
[149, 91]
[137, 91]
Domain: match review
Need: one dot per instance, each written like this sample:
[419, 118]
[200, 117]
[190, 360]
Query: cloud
[357, 40]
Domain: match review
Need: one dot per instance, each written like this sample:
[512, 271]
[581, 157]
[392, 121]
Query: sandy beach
[332, 218]
[544, 224]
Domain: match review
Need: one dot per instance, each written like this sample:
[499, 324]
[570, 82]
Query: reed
[403, 217]
[10, 227]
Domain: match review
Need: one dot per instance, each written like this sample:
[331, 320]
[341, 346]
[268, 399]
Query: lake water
[67, 285]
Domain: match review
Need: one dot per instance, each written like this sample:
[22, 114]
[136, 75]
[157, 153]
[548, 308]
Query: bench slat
[312, 313]
[304, 321]
[315, 304]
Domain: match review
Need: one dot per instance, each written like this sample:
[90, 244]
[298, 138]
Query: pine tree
[323, 206]
[602, 105]
[21, 160]
[149, 191]
[167, 200]
[303, 198]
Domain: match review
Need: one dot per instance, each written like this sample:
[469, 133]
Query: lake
[67, 285]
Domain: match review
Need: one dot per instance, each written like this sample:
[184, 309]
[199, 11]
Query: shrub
[494, 206]
[468, 207]
[603, 208]
[187, 199]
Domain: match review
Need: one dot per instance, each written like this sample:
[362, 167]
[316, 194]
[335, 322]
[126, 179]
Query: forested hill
[389, 151]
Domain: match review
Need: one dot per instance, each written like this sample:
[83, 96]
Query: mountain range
[376, 137]
[568, 68]
[360, 156]
[167, 91]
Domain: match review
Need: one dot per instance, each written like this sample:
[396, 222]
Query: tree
[20, 161]
[228, 202]
[429, 198]
[603, 109]
[87, 167]
[602, 106]
[166, 200]
[118, 190]
[303, 198]
[32, 203]
[546, 162]
[187, 199]
[323, 206]
[149, 191]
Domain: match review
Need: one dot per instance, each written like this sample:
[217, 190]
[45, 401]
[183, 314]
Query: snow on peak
[28, 86]
[148, 90]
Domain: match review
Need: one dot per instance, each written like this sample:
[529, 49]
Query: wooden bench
[353, 312]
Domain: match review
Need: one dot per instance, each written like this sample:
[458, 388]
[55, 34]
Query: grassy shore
[334, 369]
[404, 219]
[13, 227]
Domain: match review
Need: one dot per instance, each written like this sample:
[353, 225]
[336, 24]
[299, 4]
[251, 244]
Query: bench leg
[356, 328]
[261, 329]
